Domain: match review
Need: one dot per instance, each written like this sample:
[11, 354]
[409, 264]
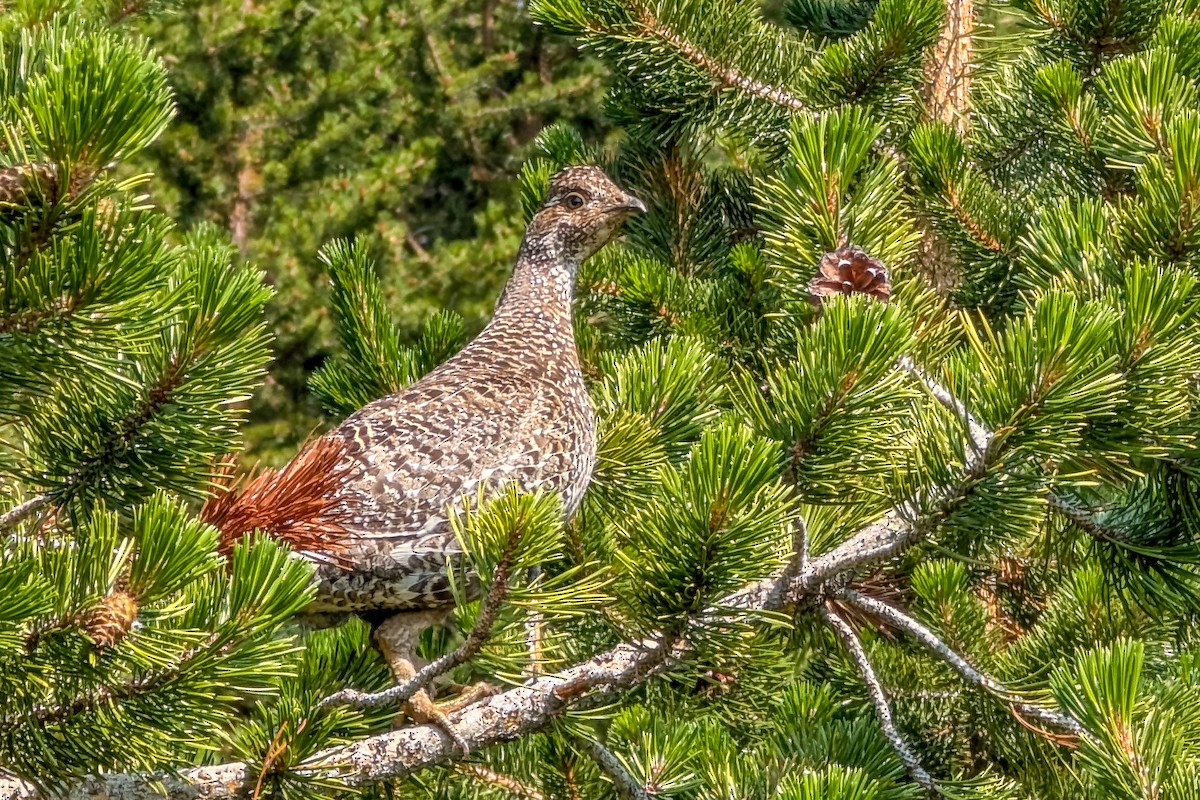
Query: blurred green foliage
[400, 124]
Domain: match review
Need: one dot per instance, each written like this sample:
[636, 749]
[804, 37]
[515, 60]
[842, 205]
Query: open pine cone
[849, 270]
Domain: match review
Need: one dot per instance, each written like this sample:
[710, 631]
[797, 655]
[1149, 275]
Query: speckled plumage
[511, 406]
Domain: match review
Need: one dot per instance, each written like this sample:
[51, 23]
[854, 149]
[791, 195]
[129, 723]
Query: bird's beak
[632, 205]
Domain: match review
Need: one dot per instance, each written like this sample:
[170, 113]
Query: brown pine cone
[849, 270]
[111, 619]
[17, 183]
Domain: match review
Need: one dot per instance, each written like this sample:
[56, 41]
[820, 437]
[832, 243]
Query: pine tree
[897, 389]
[126, 639]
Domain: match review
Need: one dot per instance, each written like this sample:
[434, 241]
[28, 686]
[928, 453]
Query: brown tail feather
[294, 505]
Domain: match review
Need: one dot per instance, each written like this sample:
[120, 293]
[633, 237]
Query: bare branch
[627, 786]
[898, 619]
[20, 512]
[879, 699]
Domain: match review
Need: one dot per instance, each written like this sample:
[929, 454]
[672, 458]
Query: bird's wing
[415, 456]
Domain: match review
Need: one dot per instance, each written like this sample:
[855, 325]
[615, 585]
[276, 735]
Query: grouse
[509, 407]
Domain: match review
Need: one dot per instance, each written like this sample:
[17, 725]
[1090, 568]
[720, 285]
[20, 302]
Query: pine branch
[901, 527]
[19, 512]
[930, 640]
[722, 76]
[1085, 521]
[879, 700]
[627, 786]
[399, 753]
[127, 430]
[981, 437]
[108, 694]
[501, 781]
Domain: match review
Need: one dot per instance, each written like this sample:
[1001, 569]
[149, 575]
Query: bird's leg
[397, 638]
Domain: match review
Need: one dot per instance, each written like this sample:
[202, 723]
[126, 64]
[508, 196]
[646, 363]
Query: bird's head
[582, 212]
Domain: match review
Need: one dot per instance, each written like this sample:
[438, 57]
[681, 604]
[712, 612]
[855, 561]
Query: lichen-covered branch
[399, 753]
[21, 511]
[1085, 521]
[879, 699]
[901, 621]
[627, 786]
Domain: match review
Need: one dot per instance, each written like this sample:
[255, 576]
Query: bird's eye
[574, 200]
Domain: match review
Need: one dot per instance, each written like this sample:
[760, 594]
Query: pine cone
[111, 619]
[17, 183]
[849, 270]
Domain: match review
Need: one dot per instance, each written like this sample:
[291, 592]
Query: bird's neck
[539, 293]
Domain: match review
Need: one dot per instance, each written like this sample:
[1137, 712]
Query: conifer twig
[1085, 521]
[501, 781]
[796, 566]
[23, 510]
[725, 77]
[895, 531]
[981, 437]
[898, 619]
[879, 699]
[533, 630]
[627, 786]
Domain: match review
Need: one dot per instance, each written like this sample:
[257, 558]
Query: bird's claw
[422, 710]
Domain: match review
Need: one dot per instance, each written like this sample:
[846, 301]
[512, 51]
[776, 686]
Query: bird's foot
[468, 695]
[397, 639]
[424, 711]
